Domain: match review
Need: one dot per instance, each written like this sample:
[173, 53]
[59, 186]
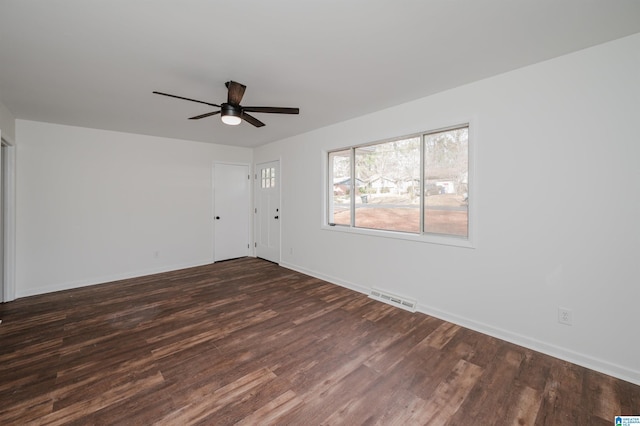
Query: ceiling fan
[232, 112]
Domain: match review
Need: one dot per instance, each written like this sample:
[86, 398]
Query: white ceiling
[95, 63]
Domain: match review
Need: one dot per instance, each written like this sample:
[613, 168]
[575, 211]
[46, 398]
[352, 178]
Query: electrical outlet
[565, 316]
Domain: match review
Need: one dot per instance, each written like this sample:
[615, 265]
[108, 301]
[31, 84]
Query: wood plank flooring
[250, 343]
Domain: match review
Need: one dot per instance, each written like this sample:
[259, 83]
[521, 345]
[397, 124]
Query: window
[414, 185]
[340, 201]
[446, 179]
[390, 194]
[268, 177]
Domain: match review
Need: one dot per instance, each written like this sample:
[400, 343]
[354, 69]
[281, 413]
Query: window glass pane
[388, 186]
[446, 185]
[340, 187]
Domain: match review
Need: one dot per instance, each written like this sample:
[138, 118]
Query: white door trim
[9, 221]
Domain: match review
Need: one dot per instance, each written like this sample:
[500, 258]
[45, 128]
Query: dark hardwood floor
[248, 342]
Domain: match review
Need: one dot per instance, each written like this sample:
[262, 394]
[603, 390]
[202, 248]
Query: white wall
[557, 198]
[94, 205]
[7, 124]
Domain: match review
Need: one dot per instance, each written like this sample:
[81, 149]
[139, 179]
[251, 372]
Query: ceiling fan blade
[209, 114]
[186, 99]
[252, 120]
[272, 110]
[236, 92]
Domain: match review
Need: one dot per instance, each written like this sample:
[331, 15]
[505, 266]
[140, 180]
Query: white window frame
[440, 239]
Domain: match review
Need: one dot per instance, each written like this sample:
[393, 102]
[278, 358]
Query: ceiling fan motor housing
[229, 109]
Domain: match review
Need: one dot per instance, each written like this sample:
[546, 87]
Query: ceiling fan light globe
[231, 120]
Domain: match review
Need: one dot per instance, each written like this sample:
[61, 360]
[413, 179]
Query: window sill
[424, 238]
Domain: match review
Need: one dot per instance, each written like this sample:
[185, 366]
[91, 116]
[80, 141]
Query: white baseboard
[565, 354]
[106, 279]
[555, 351]
[328, 278]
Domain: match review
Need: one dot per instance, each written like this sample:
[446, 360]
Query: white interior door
[268, 211]
[231, 211]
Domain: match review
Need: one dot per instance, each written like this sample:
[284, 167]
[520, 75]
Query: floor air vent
[392, 299]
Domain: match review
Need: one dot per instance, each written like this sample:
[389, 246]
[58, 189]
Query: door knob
[276, 217]
[217, 217]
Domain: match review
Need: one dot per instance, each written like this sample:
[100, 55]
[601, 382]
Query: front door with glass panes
[267, 211]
